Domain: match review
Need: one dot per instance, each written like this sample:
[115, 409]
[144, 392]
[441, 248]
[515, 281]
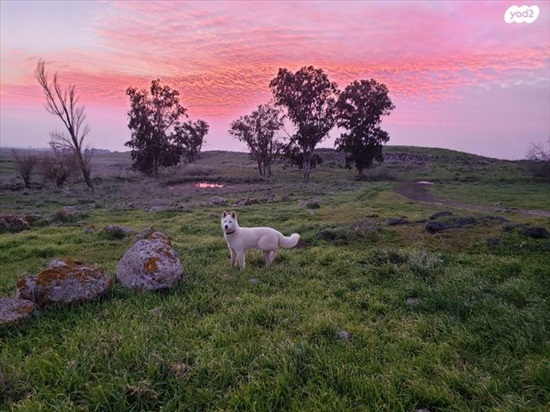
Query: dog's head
[229, 222]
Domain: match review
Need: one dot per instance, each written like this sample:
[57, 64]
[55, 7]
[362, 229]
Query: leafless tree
[58, 165]
[539, 157]
[63, 103]
[25, 163]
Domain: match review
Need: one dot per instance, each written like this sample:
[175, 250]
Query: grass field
[363, 315]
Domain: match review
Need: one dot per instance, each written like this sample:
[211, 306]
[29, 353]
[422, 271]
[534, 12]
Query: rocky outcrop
[16, 223]
[13, 310]
[64, 281]
[150, 264]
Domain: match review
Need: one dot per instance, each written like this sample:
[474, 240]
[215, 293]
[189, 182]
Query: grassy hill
[373, 311]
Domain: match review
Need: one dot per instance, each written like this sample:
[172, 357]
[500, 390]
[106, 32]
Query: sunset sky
[460, 76]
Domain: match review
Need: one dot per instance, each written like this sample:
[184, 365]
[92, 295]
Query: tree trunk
[84, 169]
[306, 164]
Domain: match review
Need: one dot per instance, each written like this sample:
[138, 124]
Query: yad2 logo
[521, 14]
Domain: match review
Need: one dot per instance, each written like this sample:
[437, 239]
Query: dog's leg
[233, 257]
[241, 260]
[267, 257]
[274, 254]
[270, 255]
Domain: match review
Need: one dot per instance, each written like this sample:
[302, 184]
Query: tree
[295, 157]
[64, 103]
[58, 165]
[189, 138]
[154, 119]
[360, 109]
[309, 98]
[258, 131]
[25, 163]
[539, 160]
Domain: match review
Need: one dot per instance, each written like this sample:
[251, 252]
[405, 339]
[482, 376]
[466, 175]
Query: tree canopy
[309, 98]
[258, 130]
[189, 137]
[159, 137]
[360, 109]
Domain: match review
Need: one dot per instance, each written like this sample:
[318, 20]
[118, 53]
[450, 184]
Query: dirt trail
[418, 191]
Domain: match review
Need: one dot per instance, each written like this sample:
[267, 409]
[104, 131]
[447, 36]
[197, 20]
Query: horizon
[461, 77]
[128, 151]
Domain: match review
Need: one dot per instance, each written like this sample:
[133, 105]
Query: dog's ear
[224, 213]
[233, 215]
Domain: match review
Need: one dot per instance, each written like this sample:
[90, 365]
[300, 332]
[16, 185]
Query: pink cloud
[221, 55]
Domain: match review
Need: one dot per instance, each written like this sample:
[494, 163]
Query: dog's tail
[289, 241]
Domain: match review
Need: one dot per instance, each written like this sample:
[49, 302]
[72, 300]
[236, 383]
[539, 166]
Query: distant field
[371, 312]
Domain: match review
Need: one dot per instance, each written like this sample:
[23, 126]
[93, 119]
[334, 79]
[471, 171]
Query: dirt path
[418, 191]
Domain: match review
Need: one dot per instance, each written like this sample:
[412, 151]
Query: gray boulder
[217, 200]
[150, 264]
[64, 281]
[14, 310]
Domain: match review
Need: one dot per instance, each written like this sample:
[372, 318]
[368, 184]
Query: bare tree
[25, 163]
[63, 103]
[539, 157]
[58, 165]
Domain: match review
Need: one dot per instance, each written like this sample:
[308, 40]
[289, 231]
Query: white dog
[241, 239]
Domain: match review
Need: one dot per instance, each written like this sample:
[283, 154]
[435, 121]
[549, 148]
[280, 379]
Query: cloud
[222, 55]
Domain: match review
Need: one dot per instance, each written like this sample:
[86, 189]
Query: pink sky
[460, 76]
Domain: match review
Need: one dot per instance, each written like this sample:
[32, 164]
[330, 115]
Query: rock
[527, 230]
[217, 200]
[435, 226]
[344, 335]
[398, 221]
[13, 223]
[14, 310]
[411, 301]
[118, 232]
[536, 232]
[64, 281]
[150, 264]
[247, 202]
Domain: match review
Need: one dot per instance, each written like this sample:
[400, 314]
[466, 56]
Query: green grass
[377, 317]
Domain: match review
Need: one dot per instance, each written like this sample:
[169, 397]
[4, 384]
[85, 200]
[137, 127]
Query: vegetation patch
[363, 315]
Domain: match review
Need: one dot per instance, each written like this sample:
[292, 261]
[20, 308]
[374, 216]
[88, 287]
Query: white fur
[240, 239]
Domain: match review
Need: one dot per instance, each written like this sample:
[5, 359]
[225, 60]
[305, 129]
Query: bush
[25, 163]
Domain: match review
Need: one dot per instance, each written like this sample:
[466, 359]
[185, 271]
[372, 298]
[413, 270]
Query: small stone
[217, 200]
[411, 301]
[344, 335]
